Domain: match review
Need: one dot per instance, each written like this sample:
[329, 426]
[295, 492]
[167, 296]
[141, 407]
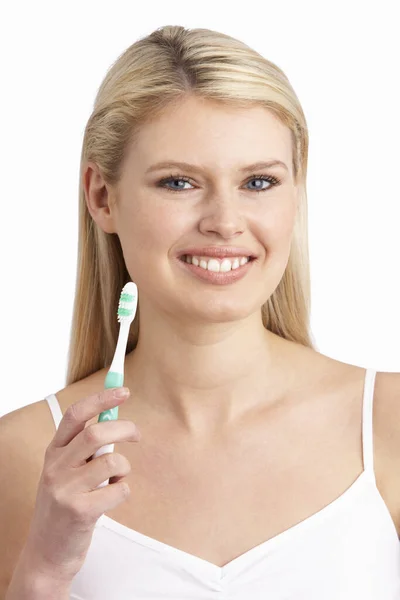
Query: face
[164, 221]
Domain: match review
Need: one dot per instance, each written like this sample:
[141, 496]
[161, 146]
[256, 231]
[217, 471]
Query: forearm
[27, 583]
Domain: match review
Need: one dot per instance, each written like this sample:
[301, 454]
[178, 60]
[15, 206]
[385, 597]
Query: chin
[223, 312]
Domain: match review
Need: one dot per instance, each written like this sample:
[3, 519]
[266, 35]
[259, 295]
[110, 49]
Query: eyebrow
[184, 165]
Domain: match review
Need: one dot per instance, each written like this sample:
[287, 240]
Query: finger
[93, 437]
[113, 466]
[76, 415]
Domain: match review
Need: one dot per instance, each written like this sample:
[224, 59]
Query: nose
[222, 217]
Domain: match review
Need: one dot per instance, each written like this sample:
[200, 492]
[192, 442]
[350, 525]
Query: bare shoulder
[387, 435]
[31, 427]
[347, 383]
[387, 400]
[25, 434]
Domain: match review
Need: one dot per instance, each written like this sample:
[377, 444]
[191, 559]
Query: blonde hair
[152, 73]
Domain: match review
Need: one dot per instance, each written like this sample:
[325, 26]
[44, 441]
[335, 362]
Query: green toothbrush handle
[113, 379]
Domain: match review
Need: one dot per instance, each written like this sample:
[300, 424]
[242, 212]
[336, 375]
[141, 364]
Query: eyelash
[274, 181]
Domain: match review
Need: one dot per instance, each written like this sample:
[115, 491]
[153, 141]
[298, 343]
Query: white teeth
[225, 266]
[215, 265]
[235, 264]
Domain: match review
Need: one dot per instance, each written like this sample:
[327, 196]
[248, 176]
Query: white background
[343, 60]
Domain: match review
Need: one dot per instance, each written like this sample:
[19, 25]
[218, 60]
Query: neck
[205, 376]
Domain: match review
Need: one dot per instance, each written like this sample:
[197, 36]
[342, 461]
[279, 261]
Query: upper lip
[218, 251]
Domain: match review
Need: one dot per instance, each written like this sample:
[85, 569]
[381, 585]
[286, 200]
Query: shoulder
[386, 438]
[34, 424]
[387, 411]
[25, 434]
[387, 384]
[25, 429]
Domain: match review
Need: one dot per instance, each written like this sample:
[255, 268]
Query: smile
[216, 265]
[217, 271]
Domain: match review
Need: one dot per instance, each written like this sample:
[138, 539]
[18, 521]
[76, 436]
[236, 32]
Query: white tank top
[348, 550]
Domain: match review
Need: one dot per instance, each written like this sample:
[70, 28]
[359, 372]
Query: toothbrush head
[128, 303]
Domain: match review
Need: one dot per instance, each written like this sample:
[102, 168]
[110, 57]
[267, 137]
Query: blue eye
[273, 181]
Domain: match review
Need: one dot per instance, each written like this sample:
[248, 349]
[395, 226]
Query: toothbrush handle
[113, 379]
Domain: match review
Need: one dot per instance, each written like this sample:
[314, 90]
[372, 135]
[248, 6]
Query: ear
[98, 198]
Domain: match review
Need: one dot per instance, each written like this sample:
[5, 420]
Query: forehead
[211, 133]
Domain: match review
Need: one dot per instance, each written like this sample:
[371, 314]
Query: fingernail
[122, 392]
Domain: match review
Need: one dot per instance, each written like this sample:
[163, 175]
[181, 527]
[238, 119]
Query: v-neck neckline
[205, 567]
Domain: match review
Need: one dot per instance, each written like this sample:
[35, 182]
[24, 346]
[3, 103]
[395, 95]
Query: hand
[68, 502]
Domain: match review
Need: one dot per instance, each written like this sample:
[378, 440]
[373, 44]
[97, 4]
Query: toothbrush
[115, 377]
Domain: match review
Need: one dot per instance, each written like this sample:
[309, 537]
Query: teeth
[225, 266]
[215, 265]
[236, 263]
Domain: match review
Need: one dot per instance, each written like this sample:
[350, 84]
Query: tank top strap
[55, 408]
[367, 421]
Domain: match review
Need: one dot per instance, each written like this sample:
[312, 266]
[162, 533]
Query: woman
[254, 471]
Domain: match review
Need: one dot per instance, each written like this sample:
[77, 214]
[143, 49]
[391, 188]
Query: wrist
[30, 583]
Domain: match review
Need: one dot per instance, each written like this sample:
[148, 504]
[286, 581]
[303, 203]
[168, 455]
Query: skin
[211, 388]
[204, 360]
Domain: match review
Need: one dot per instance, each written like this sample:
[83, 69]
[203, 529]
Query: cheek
[275, 231]
[275, 225]
[151, 228]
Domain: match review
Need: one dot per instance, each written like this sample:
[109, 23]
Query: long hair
[152, 73]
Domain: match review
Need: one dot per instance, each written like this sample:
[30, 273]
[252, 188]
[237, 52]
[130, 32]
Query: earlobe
[97, 198]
